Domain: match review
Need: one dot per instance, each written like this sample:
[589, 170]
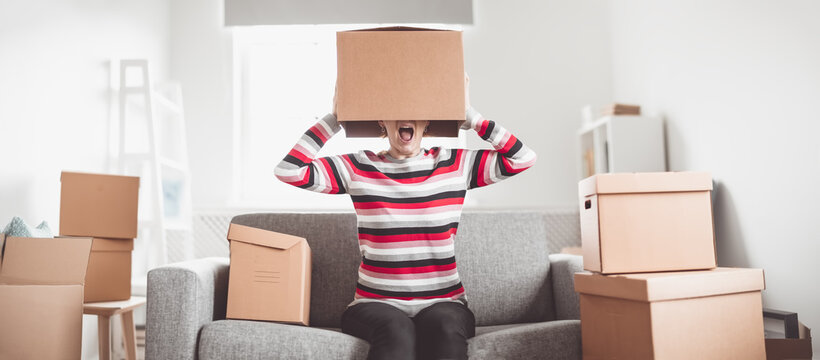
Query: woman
[409, 301]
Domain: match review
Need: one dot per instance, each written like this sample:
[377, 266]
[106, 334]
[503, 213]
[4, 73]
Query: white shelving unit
[152, 144]
[621, 143]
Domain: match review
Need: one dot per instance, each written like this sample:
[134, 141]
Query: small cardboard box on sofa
[269, 276]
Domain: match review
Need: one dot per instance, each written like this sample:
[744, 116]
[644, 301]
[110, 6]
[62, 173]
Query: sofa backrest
[502, 258]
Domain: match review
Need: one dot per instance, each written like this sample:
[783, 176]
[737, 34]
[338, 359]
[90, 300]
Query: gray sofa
[522, 297]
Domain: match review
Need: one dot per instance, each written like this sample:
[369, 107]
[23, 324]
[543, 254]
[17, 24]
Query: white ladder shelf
[162, 165]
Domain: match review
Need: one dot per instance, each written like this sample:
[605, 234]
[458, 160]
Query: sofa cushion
[239, 339]
[504, 265]
[545, 340]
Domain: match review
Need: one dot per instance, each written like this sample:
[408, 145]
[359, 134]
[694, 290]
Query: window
[285, 79]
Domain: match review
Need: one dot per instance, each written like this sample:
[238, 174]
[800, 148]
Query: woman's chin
[407, 151]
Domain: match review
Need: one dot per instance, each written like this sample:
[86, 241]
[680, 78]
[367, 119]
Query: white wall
[739, 84]
[201, 60]
[54, 90]
[54, 106]
[533, 64]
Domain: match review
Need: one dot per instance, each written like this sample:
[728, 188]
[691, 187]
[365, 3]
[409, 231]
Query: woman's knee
[451, 328]
[397, 326]
[452, 320]
[374, 320]
[390, 332]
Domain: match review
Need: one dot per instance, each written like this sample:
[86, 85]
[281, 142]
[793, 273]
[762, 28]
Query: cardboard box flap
[671, 285]
[623, 183]
[61, 260]
[130, 182]
[103, 244]
[442, 128]
[2, 246]
[805, 332]
[397, 28]
[262, 237]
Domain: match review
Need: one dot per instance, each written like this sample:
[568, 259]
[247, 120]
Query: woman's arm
[302, 169]
[510, 156]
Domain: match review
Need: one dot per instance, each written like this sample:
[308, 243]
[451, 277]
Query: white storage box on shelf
[621, 143]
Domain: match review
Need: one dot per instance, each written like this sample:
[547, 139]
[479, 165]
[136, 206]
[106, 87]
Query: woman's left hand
[466, 92]
[464, 124]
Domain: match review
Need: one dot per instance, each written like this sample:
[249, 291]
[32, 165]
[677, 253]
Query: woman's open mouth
[406, 133]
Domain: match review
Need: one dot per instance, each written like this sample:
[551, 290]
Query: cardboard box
[782, 349]
[109, 270]
[269, 276]
[788, 338]
[2, 246]
[400, 73]
[41, 297]
[707, 314]
[646, 222]
[99, 205]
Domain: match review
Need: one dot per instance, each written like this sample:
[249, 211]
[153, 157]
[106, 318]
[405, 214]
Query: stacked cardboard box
[103, 207]
[269, 276]
[655, 291]
[621, 109]
[41, 297]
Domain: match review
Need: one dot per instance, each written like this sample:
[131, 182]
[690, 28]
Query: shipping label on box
[269, 276]
[647, 222]
[41, 297]
[400, 73]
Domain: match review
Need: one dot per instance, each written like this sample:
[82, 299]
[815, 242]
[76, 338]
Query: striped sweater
[407, 209]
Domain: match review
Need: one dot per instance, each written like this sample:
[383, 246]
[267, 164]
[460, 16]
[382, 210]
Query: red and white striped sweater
[407, 209]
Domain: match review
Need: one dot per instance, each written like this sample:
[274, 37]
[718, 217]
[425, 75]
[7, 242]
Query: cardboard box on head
[646, 222]
[269, 276]
[109, 270]
[41, 297]
[400, 73]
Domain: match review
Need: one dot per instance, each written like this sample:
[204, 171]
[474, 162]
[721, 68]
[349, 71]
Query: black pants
[440, 331]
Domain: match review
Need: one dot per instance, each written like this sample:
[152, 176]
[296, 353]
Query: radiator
[210, 231]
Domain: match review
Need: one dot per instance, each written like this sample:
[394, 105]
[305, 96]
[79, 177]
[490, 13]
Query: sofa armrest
[182, 298]
[562, 270]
